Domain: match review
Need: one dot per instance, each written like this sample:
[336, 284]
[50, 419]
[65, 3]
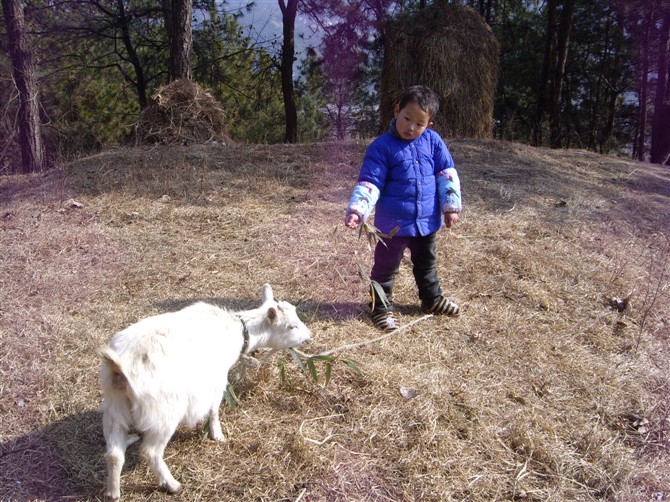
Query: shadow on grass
[308, 310]
[66, 461]
[63, 461]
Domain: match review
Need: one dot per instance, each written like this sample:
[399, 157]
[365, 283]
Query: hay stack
[452, 50]
[182, 112]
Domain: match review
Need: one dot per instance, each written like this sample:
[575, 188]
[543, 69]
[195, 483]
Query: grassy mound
[546, 388]
[182, 112]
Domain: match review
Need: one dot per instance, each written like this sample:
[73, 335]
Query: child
[408, 173]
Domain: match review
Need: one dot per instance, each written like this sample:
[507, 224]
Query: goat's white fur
[172, 369]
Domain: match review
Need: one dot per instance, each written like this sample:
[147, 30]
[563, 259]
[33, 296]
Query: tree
[124, 21]
[311, 94]
[559, 20]
[240, 72]
[178, 14]
[647, 25]
[352, 54]
[660, 132]
[598, 72]
[30, 139]
[98, 34]
[289, 10]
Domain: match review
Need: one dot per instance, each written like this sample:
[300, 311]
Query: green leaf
[362, 270]
[322, 358]
[329, 371]
[380, 293]
[352, 365]
[297, 359]
[374, 235]
[312, 369]
[231, 398]
[282, 370]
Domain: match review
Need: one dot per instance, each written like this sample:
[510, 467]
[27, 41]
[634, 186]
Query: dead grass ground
[541, 391]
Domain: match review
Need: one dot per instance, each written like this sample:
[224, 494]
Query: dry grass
[451, 49]
[182, 113]
[541, 391]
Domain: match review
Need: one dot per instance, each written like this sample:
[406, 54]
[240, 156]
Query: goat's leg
[116, 437]
[215, 431]
[153, 448]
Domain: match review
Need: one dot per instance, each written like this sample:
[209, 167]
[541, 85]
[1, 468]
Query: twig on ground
[365, 342]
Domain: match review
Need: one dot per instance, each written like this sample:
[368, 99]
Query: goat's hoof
[171, 487]
[218, 437]
[112, 496]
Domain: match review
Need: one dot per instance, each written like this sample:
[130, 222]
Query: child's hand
[352, 220]
[450, 219]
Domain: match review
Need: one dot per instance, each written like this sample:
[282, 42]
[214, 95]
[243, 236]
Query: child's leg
[424, 260]
[385, 268]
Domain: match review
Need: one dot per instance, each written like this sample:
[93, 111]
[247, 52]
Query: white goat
[172, 369]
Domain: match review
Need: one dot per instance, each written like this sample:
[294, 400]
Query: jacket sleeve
[370, 181]
[363, 200]
[448, 183]
[449, 190]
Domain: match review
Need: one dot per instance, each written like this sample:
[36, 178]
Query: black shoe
[443, 306]
[384, 320]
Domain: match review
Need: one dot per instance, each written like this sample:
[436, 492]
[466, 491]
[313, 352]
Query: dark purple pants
[424, 261]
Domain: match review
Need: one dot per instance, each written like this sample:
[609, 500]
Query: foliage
[308, 365]
[599, 107]
[599, 71]
[313, 124]
[99, 61]
[90, 111]
[350, 60]
[241, 75]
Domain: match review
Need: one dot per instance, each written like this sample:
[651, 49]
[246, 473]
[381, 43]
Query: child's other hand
[352, 220]
[450, 219]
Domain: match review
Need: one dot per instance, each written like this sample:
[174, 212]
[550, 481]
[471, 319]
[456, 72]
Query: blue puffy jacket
[411, 183]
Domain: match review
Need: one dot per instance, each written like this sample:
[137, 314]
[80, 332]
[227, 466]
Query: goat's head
[285, 326]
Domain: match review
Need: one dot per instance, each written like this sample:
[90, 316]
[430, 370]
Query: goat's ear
[267, 293]
[272, 314]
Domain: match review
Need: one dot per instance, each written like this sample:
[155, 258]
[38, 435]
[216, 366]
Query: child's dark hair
[426, 98]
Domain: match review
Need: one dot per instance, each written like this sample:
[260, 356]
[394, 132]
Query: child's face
[411, 121]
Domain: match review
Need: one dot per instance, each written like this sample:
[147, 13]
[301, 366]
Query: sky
[264, 22]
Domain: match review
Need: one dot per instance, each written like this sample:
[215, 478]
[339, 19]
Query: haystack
[182, 112]
[452, 50]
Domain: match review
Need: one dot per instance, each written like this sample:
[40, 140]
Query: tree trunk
[140, 80]
[289, 11]
[660, 131]
[559, 60]
[32, 149]
[543, 87]
[638, 150]
[180, 34]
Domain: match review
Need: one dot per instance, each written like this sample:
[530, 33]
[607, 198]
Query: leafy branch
[374, 235]
[307, 364]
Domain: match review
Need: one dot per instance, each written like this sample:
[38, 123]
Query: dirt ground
[542, 390]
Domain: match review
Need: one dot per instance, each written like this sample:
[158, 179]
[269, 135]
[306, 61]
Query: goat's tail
[117, 377]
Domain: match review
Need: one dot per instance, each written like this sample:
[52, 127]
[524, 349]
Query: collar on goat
[245, 335]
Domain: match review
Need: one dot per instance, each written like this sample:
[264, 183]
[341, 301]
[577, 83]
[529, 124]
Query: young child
[409, 175]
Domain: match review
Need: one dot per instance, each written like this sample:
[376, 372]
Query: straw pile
[540, 391]
[452, 50]
[182, 112]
